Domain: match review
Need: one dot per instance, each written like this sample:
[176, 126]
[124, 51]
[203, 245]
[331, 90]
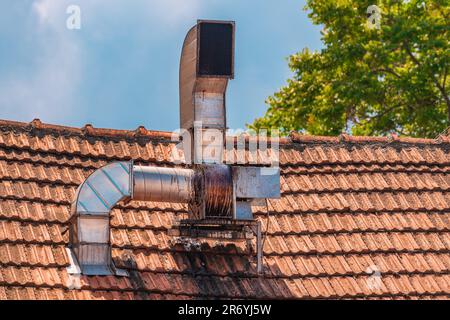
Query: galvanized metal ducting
[163, 184]
[207, 189]
[207, 63]
[212, 190]
[89, 232]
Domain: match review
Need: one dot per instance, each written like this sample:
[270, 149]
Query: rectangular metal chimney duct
[207, 62]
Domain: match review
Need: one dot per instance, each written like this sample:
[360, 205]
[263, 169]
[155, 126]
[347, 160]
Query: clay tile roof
[352, 208]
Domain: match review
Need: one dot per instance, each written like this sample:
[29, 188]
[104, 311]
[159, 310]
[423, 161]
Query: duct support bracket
[224, 229]
[257, 229]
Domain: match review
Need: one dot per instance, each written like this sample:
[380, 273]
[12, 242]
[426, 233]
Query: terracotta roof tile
[348, 204]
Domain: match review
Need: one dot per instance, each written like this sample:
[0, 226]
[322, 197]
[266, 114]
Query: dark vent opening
[215, 49]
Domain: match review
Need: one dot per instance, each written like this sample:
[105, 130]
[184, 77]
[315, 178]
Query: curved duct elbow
[89, 228]
[102, 190]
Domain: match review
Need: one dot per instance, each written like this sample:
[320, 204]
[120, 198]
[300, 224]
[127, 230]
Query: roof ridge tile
[87, 129]
[141, 131]
[297, 137]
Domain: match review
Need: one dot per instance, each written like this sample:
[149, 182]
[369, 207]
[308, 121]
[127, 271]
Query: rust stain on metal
[218, 191]
[213, 188]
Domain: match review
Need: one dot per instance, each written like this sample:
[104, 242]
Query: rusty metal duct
[207, 188]
[213, 190]
[207, 62]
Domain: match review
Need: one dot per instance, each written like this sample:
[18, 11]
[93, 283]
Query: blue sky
[120, 70]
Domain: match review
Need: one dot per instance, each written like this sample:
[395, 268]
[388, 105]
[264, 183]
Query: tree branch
[436, 82]
[445, 78]
[387, 70]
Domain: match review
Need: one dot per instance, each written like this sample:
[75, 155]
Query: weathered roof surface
[349, 205]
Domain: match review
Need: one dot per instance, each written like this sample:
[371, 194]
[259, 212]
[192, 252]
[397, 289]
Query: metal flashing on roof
[75, 268]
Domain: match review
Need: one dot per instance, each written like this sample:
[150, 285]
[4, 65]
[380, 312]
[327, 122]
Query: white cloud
[41, 9]
[158, 11]
[48, 92]
[48, 88]
[48, 11]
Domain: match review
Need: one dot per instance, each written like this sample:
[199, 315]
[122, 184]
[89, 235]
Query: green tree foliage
[369, 81]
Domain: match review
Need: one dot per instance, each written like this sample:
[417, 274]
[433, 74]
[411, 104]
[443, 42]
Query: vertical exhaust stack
[207, 63]
[215, 192]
